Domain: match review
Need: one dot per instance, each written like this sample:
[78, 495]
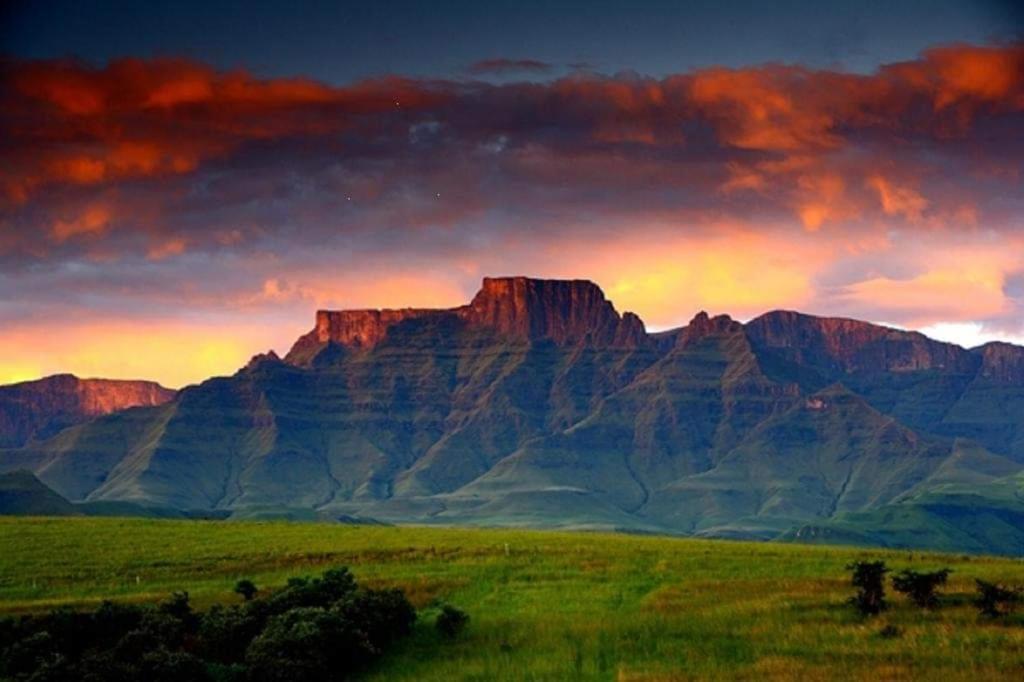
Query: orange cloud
[979, 73]
[895, 200]
[135, 118]
[394, 290]
[171, 247]
[952, 282]
[821, 199]
[665, 275]
[175, 353]
[94, 221]
[763, 109]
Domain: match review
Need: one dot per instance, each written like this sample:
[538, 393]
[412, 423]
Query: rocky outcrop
[516, 309]
[567, 312]
[355, 329]
[702, 326]
[1002, 362]
[843, 345]
[37, 409]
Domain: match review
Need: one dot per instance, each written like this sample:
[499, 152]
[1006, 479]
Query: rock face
[537, 403]
[514, 309]
[565, 312]
[38, 409]
[852, 346]
[702, 326]
[1002, 362]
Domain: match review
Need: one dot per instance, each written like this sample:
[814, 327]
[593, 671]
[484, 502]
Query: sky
[183, 184]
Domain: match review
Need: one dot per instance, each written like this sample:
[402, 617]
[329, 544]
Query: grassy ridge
[547, 605]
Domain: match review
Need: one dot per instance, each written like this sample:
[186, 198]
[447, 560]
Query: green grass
[547, 605]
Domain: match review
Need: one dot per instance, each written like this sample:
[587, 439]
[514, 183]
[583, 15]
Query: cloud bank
[167, 195]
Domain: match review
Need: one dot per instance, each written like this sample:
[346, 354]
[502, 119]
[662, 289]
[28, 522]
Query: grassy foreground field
[547, 605]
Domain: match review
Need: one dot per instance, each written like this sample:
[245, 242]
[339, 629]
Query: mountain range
[538, 404]
[34, 410]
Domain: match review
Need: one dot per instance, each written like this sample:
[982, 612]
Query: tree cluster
[313, 629]
[921, 588]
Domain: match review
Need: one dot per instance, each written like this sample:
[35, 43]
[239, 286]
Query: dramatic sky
[183, 184]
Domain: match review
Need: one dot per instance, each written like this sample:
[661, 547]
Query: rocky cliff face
[853, 346]
[37, 409]
[1002, 362]
[703, 325]
[567, 312]
[515, 309]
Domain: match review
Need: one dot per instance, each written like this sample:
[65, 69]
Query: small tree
[995, 600]
[869, 579]
[451, 621]
[246, 588]
[920, 587]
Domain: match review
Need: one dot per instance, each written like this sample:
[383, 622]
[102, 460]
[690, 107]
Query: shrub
[995, 600]
[162, 665]
[890, 632]
[921, 587]
[322, 592]
[869, 579]
[308, 644]
[225, 633]
[111, 621]
[178, 608]
[247, 589]
[312, 629]
[29, 654]
[451, 621]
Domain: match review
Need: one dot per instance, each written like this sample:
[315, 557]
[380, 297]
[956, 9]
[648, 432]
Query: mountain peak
[852, 345]
[42, 407]
[703, 325]
[564, 311]
[519, 309]
[1001, 361]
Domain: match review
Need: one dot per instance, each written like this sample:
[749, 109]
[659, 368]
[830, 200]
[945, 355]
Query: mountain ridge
[42, 407]
[537, 403]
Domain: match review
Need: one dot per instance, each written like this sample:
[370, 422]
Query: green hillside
[22, 494]
[548, 605]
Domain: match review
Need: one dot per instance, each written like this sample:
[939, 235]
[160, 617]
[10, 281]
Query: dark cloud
[504, 67]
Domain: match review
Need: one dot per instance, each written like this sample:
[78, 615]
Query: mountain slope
[539, 404]
[38, 409]
[22, 494]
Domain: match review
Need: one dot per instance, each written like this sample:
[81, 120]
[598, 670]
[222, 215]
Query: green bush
[869, 579]
[311, 630]
[247, 589]
[921, 587]
[995, 600]
[451, 621]
[226, 632]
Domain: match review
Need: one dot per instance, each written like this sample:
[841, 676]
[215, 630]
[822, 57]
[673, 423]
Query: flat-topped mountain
[519, 309]
[537, 403]
[38, 409]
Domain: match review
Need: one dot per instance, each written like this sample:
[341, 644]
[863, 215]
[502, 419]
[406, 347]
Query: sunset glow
[168, 217]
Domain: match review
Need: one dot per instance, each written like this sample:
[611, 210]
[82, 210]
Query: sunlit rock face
[514, 309]
[1002, 362]
[38, 409]
[566, 312]
[852, 345]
